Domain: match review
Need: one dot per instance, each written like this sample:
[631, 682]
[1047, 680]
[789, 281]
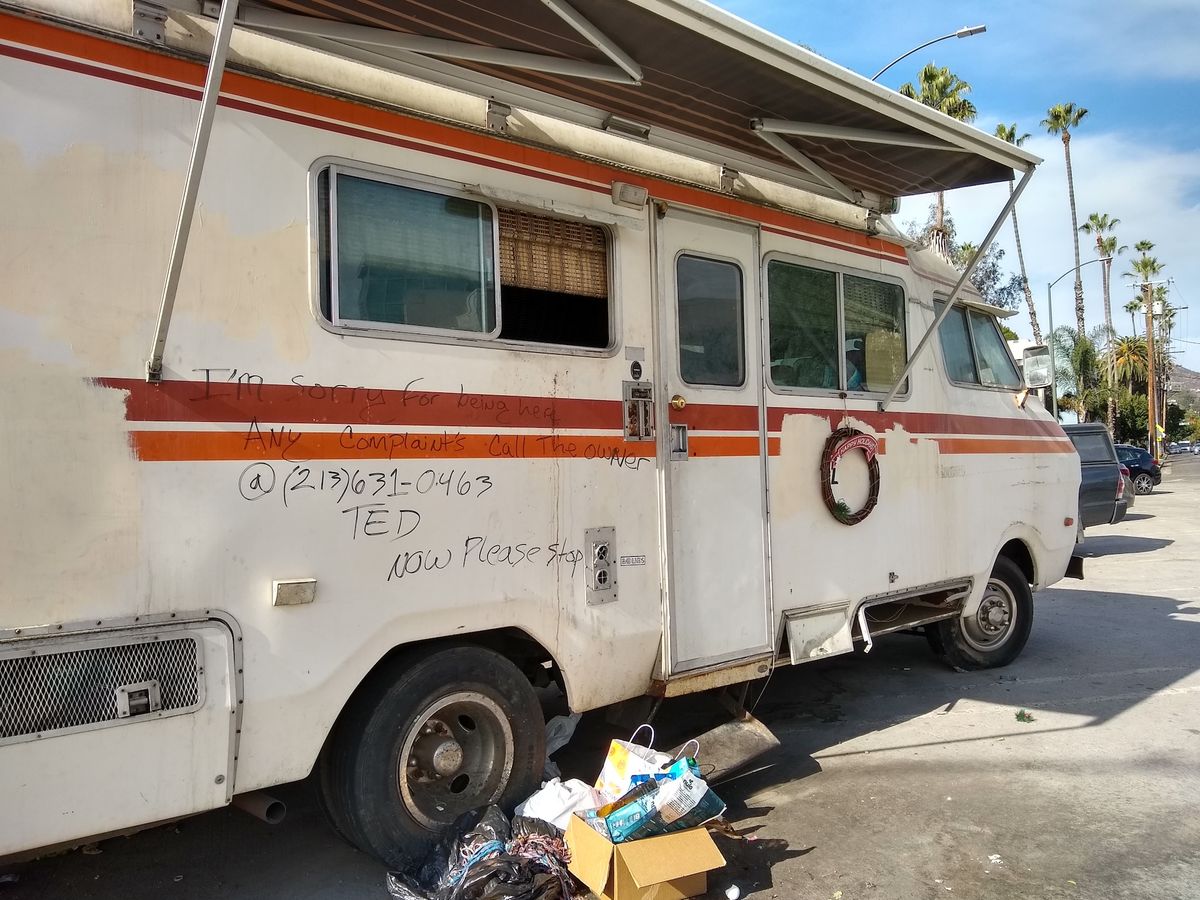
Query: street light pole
[1050, 309]
[961, 33]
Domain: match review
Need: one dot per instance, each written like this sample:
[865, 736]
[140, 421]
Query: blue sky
[1134, 65]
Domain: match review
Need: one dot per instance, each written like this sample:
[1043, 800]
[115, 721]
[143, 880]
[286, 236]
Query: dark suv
[1101, 489]
[1144, 471]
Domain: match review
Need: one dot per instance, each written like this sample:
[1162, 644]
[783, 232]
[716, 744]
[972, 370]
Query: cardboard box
[668, 867]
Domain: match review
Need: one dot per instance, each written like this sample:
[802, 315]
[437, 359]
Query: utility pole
[1151, 394]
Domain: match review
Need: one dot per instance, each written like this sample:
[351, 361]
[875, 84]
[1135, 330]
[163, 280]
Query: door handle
[679, 442]
[678, 402]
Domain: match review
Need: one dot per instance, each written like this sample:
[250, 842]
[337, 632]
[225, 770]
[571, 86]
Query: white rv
[367, 365]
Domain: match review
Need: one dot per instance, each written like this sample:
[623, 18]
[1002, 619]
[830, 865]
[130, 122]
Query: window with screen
[395, 257]
[830, 330]
[974, 350]
[709, 310]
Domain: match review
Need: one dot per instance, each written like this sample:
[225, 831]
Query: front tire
[430, 737]
[996, 633]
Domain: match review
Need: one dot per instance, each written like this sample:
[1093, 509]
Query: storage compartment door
[111, 730]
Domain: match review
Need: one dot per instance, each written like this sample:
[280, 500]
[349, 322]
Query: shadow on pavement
[1137, 517]
[1116, 544]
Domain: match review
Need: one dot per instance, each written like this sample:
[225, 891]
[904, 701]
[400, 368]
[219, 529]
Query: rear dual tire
[995, 634]
[432, 735]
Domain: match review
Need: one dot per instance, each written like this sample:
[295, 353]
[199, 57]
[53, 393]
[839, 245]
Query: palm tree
[1127, 361]
[1079, 370]
[1009, 133]
[1060, 119]
[1133, 307]
[1144, 268]
[941, 89]
[1101, 226]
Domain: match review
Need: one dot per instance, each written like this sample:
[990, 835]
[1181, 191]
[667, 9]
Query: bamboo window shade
[546, 254]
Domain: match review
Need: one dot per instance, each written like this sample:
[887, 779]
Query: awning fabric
[705, 76]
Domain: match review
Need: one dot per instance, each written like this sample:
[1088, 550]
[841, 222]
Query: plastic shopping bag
[556, 800]
[626, 759]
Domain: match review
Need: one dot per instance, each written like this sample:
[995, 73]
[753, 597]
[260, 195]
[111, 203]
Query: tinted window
[711, 340]
[995, 364]
[802, 321]
[956, 346]
[1092, 447]
[409, 257]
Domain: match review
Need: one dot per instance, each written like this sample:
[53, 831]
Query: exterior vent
[63, 688]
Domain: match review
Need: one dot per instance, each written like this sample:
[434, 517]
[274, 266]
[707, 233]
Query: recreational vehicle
[368, 366]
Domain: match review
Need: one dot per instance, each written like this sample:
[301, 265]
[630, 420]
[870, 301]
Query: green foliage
[1176, 425]
[1009, 334]
[1080, 371]
[941, 89]
[1131, 421]
[1062, 117]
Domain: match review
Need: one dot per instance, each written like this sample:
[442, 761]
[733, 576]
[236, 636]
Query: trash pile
[637, 832]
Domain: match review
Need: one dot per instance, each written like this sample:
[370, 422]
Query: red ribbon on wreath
[838, 444]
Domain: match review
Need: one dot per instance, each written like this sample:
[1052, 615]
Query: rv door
[715, 441]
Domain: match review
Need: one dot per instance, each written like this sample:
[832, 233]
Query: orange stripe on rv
[298, 105]
[295, 446]
[991, 445]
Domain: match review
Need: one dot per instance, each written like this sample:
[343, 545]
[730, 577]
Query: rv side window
[408, 258]
[711, 340]
[400, 258]
[834, 331]
[874, 323]
[974, 349]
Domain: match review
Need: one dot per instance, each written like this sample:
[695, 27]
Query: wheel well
[1019, 553]
[519, 648]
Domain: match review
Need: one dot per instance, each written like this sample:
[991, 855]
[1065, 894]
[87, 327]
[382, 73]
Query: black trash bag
[506, 877]
[500, 877]
[522, 826]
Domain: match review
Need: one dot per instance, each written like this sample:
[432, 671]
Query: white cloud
[1153, 190]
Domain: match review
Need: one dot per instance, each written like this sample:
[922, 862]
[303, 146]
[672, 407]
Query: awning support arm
[191, 187]
[596, 38]
[785, 149]
[858, 135]
[962, 279]
[382, 39]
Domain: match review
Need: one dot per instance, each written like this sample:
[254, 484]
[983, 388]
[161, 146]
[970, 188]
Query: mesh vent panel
[52, 691]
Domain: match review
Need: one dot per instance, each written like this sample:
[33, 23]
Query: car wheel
[1143, 483]
[430, 737]
[996, 633]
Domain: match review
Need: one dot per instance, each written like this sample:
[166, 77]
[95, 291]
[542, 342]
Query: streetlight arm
[961, 33]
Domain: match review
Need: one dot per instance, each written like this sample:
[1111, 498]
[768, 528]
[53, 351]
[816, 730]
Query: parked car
[1144, 470]
[1102, 487]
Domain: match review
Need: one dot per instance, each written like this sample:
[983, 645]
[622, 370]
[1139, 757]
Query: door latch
[679, 441]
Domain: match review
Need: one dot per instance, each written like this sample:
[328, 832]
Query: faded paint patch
[84, 244]
[69, 496]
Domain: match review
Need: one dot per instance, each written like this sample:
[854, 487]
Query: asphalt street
[897, 777]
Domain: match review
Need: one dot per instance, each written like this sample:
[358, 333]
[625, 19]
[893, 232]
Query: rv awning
[679, 74]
